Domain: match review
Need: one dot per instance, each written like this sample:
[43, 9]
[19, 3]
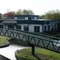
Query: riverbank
[9, 51]
[4, 41]
[18, 42]
[25, 54]
[41, 54]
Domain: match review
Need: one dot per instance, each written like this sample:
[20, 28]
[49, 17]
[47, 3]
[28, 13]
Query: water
[9, 51]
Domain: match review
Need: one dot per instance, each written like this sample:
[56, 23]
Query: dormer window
[26, 18]
[15, 17]
[35, 17]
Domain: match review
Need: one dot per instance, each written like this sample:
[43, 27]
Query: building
[31, 23]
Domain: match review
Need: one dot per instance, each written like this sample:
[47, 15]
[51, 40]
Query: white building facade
[31, 23]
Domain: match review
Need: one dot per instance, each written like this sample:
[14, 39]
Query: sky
[39, 7]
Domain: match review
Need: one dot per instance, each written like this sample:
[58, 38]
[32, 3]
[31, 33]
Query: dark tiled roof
[25, 15]
[1, 21]
[29, 16]
[31, 22]
[27, 21]
[9, 21]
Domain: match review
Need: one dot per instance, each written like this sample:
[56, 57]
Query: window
[35, 18]
[44, 28]
[15, 17]
[26, 18]
[1, 26]
[10, 26]
[19, 27]
[48, 27]
[36, 29]
[26, 28]
[54, 26]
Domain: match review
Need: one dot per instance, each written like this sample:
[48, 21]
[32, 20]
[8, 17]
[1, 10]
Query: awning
[9, 21]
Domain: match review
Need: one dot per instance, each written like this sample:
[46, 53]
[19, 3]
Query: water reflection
[10, 51]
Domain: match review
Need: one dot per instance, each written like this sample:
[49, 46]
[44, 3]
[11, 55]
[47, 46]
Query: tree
[41, 16]
[28, 12]
[24, 12]
[0, 16]
[19, 12]
[52, 15]
[9, 14]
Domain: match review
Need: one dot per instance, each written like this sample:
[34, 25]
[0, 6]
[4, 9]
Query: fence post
[33, 49]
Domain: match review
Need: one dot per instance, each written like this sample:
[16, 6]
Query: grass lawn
[42, 54]
[3, 40]
[50, 54]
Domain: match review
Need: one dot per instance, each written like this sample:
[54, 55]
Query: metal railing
[36, 40]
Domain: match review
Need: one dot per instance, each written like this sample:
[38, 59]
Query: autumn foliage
[9, 14]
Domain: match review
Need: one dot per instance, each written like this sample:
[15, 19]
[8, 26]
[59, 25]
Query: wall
[22, 26]
[31, 27]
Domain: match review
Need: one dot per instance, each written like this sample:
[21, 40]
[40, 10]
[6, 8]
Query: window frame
[26, 28]
[36, 28]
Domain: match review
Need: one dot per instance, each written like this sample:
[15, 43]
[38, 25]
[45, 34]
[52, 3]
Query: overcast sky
[37, 6]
